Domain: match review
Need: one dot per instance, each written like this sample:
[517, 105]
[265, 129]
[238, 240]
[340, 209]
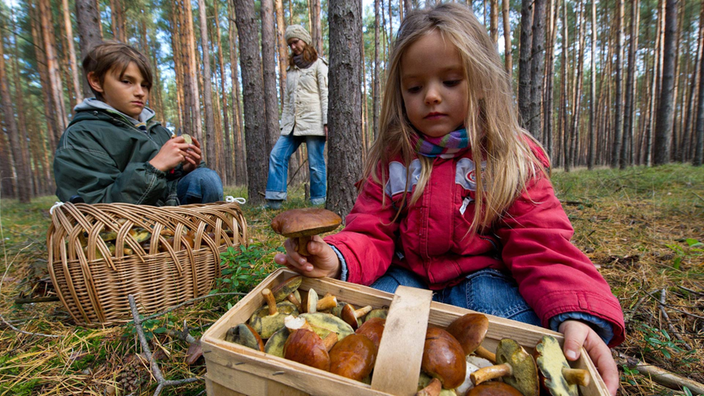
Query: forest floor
[642, 227]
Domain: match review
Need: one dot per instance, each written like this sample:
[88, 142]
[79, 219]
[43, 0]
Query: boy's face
[433, 86]
[127, 94]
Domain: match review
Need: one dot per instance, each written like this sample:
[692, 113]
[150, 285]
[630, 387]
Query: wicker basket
[93, 277]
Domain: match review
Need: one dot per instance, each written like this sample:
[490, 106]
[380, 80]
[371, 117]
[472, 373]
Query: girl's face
[433, 86]
[297, 46]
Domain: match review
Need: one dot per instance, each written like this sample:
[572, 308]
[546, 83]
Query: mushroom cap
[304, 346]
[551, 361]
[469, 330]
[443, 358]
[494, 388]
[297, 223]
[353, 357]
[525, 371]
[283, 289]
[373, 329]
[245, 335]
[348, 315]
[266, 324]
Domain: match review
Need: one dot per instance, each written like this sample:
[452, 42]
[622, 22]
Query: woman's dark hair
[309, 53]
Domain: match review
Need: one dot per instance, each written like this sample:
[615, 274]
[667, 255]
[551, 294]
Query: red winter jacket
[531, 241]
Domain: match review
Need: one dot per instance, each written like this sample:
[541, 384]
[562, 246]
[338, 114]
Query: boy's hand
[578, 334]
[193, 156]
[322, 260]
[172, 153]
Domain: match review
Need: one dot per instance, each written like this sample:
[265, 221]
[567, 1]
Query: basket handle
[398, 361]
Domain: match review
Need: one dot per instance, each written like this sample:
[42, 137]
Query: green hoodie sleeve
[103, 163]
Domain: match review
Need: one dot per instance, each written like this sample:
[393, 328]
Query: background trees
[599, 83]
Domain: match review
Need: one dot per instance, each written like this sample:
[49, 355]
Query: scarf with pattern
[451, 145]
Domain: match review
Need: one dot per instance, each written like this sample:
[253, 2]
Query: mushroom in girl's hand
[270, 318]
[494, 388]
[470, 331]
[514, 365]
[301, 224]
[353, 357]
[306, 347]
[443, 358]
[556, 376]
[245, 335]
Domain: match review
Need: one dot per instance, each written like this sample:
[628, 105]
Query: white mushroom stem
[270, 301]
[576, 376]
[490, 373]
[486, 354]
[292, 298]
[327, 302]
[358, 313]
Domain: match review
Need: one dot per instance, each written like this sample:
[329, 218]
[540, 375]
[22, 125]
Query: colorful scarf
[448, 146]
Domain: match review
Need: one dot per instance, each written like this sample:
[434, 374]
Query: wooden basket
[237, 370]
[93, 277]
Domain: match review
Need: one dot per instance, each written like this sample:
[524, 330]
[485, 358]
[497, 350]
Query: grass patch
[643, 227]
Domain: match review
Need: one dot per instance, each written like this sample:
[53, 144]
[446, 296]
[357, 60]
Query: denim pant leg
[492, 292]
[202, 185]
[277, 181]
[316, 168]
[397, 276]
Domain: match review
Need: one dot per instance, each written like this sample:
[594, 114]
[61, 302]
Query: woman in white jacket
[304, 119]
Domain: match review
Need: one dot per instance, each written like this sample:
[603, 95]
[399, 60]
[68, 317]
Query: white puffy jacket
[306, 100]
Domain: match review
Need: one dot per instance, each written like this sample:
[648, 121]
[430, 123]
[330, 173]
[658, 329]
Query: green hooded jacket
[103, 157]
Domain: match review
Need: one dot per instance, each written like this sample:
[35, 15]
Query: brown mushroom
[351, 315]
[556, 376]
[306, 347]
[373, 328]
[443, 358]
[494, 388]
[470, 331]
[245, 335]
[301, 224]
[283, 289]
[353, 357]
[433, 388]
[270, 318]
[514, 365]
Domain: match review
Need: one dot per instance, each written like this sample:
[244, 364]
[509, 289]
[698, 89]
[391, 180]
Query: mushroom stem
[433, 388]
[330, 340]
[486, 354]
[576, 376]
[362, 311]
[270, 301]
[292, 298]
[327, 302]
[302, 245]
[490, 373]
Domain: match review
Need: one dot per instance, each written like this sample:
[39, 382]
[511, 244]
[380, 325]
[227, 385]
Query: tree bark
[663, 126]
[591, 156]
[21, 167]
[577, 86]
[75, 82]
[537, 69]
[210, 139]
[283, 53]
[698, 158]
[269, 74]
[629, 113]
[89, 32]
[55, 85]
[49, 116]
[227, 166]
[192, 108]
[524, 65]
[494, 21]
[316, 30]
[376, 87]
[345, 167]
[564, 92]
[253, 93]
[508, 53]
[618, 80]
[240, 175]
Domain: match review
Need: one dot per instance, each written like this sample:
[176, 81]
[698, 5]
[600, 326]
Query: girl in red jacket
[456, 197]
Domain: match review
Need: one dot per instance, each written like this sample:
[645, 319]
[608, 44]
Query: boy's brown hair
[114, 56]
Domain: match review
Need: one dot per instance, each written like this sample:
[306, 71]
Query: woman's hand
[172, 153]
[193, 156]
[322, 260]
[577, 335]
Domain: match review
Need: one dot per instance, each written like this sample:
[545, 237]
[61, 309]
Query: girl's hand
[172, 153]
[578, 334]
[322, 260]
[192, 156]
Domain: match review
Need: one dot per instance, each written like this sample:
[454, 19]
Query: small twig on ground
[673, 330]
[148, 353]
[673, 308]
[20, 301]
[690, 290]
[659, 375]
[175, 307]
[632, 312]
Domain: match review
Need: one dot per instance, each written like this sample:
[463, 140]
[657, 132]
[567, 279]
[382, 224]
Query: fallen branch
[20, 301]
[673, 308]
[148, 353]
[672, 328]
[659, 375]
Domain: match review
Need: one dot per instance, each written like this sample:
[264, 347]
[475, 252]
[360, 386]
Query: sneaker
[273, 204]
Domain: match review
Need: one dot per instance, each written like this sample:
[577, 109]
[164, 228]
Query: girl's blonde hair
[495, 134]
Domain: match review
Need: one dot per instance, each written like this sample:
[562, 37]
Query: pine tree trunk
[269, 73]
[7, 174]
[55, 86]
[210, 139]
[49, 110]
[253, 94]
[75, 82]
[376, 87]
[190, 43]
[548, 92]
[690, 130]
[21, 166]
[508, 55]
[537, 69]
[618, 80]
[227, 163]
[240, 175]
[345, 166]
[577, 86]
[524, 65]
[494, 24]
[591, 156]
[21, 115]
[283, 53]
[564, 124]
[317, 31]
[89, 32]
[698, 158]
[663, 126]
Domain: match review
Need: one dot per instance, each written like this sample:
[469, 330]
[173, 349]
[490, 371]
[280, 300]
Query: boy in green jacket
[114, 151]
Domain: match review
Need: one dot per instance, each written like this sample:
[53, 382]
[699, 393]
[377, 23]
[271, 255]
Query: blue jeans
[487, 290]
[278, 167]
[202, 185]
